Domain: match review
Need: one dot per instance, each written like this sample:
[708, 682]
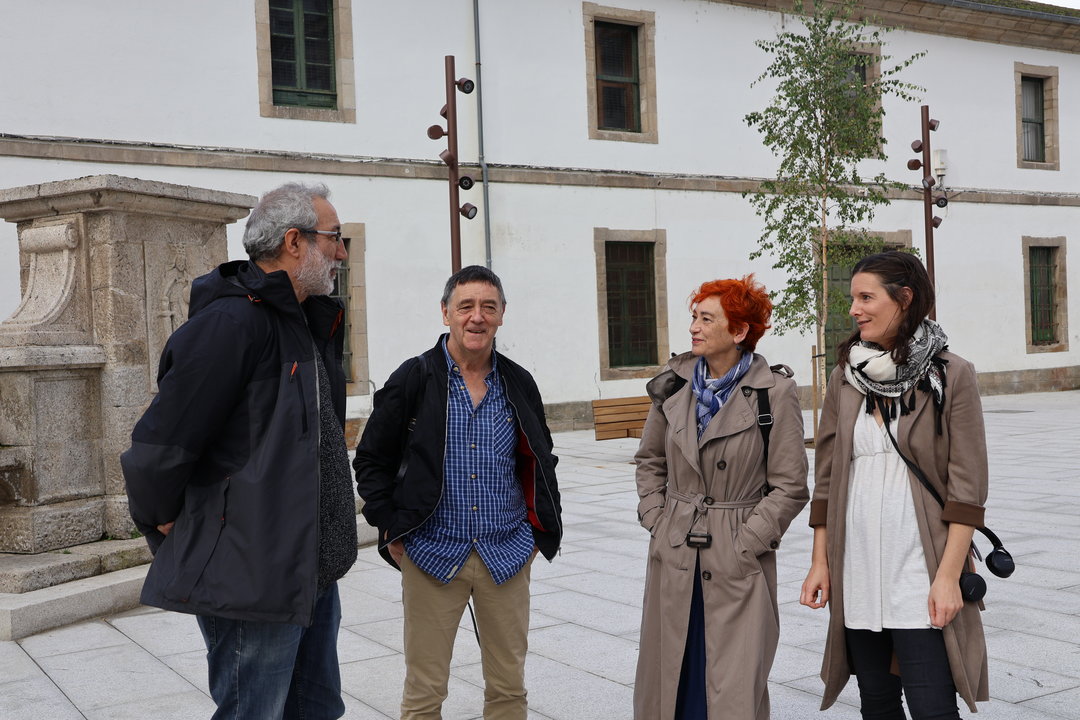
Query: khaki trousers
[432, 613]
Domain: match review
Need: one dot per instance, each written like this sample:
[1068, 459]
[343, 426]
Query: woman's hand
[815, 588]
[945, 600]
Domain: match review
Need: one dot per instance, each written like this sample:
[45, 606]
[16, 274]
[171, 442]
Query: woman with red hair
[721, 473]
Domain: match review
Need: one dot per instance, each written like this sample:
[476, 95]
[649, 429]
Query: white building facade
[587, 194]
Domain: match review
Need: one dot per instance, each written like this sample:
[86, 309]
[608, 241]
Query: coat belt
[698, 500]
[693, 507]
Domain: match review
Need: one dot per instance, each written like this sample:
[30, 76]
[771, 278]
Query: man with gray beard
[238, 474]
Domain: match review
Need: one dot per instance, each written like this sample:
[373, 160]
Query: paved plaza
[586, 606]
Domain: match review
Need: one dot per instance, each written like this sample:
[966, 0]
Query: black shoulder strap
[413, 396]
[413, 392]
[917, 471]
[765, 423]
[886, 414]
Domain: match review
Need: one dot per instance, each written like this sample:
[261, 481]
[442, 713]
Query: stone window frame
[1049, 75]
[1061, 295]
[344, 69]
[645, 21]
[357, 308]
[658, 238]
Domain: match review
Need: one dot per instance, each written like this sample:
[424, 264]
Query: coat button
[708, 500]
[746, 392]
[706, 575]
[721, 465]
[774, 544]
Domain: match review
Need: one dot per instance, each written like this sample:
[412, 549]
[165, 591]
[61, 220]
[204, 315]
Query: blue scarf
[712, 393]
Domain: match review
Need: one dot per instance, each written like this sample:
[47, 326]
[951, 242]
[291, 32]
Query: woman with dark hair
[887, 556]
[721, 472]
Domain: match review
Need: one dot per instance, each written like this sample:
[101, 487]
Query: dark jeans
[691, 702]
[925, 677]
[265, 671]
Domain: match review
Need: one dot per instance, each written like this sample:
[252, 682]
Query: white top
[886, 583]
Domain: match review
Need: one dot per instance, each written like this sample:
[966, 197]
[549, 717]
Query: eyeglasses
[335, 235]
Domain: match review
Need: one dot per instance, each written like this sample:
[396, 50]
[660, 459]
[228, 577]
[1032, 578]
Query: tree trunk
[823, 309]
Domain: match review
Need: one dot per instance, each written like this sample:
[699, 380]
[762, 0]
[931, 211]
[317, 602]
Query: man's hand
[166, 528]
[397, 550]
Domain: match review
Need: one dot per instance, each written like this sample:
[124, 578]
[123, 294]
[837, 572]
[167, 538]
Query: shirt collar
[452, 367]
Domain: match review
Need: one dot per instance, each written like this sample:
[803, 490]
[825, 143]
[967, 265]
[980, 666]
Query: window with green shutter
[631, 304]
[1033, 112]
[1041, 286]
[617, 77]
[302, 53]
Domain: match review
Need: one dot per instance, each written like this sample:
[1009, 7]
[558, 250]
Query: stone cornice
[99, 151]
[111, 192]
[981, 21]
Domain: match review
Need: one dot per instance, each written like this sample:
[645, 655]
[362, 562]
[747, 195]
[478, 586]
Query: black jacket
[229, 449]
[408, 421]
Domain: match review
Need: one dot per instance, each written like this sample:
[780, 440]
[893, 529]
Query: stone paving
[586, 605]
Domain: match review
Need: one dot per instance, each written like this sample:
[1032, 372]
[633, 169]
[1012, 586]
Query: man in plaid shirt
[457, 472]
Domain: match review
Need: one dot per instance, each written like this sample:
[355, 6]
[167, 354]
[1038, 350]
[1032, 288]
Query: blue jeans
[925, 677]
[265, 671]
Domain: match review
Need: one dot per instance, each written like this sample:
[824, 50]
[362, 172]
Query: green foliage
[822, 122]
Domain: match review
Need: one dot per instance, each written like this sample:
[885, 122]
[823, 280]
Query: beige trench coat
[725, 467]
[954, 463]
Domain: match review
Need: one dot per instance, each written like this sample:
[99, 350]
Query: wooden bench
[620, 417]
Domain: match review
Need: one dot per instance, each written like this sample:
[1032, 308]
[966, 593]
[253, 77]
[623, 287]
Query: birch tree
[823, 123]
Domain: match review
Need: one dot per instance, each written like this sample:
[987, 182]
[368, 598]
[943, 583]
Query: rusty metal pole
[452, 164]
[928, 202]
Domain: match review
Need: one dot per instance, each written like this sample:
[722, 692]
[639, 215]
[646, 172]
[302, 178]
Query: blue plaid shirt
[482, 506]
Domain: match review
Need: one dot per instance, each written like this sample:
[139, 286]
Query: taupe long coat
[954, 463]
[739, 570]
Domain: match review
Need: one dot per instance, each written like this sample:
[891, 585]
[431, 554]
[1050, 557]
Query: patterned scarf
[712, 393]
[872, 372]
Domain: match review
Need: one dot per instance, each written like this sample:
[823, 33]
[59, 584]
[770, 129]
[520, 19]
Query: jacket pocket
[197, 533]
[746, 561]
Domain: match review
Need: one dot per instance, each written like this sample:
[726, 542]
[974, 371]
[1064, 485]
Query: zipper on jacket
[318, 470]
[539, 468]
[294, 378]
